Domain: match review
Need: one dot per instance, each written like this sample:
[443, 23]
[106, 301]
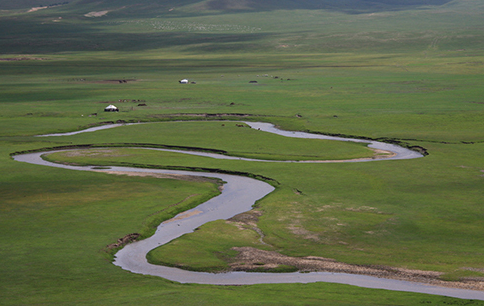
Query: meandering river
[239, 195]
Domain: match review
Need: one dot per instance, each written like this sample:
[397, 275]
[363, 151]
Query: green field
[409, 73]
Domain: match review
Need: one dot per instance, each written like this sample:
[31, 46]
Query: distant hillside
[341, 5]
[312, 26]
[350, 6]
[205, 6]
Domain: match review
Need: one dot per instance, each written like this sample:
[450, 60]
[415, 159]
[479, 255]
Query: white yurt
[111, 108]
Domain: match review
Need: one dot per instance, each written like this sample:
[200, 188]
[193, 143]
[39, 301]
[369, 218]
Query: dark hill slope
[340, 5]
[21, 4]
[150, 7]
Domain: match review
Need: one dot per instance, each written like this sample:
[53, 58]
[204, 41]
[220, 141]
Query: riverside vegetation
[406, 74]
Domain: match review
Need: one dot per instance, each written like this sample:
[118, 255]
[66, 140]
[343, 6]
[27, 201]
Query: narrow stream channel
[238, 196]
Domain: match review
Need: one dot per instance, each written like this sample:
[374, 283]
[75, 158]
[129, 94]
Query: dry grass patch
[96, 14]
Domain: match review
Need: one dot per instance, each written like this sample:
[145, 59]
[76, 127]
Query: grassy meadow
[407, 74]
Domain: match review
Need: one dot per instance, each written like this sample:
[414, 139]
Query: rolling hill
[159, 6]
[248, 26]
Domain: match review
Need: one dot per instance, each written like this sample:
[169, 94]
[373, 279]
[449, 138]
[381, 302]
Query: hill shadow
[23, 37]
[346, 6]
[187, 8]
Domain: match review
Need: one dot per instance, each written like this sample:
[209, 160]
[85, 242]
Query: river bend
[239, 195]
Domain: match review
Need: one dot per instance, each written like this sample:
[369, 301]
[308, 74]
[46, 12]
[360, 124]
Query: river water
[239, 195]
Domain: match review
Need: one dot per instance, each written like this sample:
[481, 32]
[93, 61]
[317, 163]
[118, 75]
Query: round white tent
[111, 108]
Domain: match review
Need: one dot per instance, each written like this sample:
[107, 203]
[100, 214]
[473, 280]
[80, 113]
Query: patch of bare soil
[123, 241]
[382, 153]
[184, 216]
[248, 220]
[35, 9]
[378, 154]
[251, 258]
[96, 14]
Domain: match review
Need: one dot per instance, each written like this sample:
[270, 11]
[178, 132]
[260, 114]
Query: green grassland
[366, 213]
[411, 74]
[218, 136]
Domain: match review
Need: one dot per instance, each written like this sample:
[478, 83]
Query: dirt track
[251, 259]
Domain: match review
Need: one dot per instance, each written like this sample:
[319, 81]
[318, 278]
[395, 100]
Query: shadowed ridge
[348, 6]
[152, 7]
